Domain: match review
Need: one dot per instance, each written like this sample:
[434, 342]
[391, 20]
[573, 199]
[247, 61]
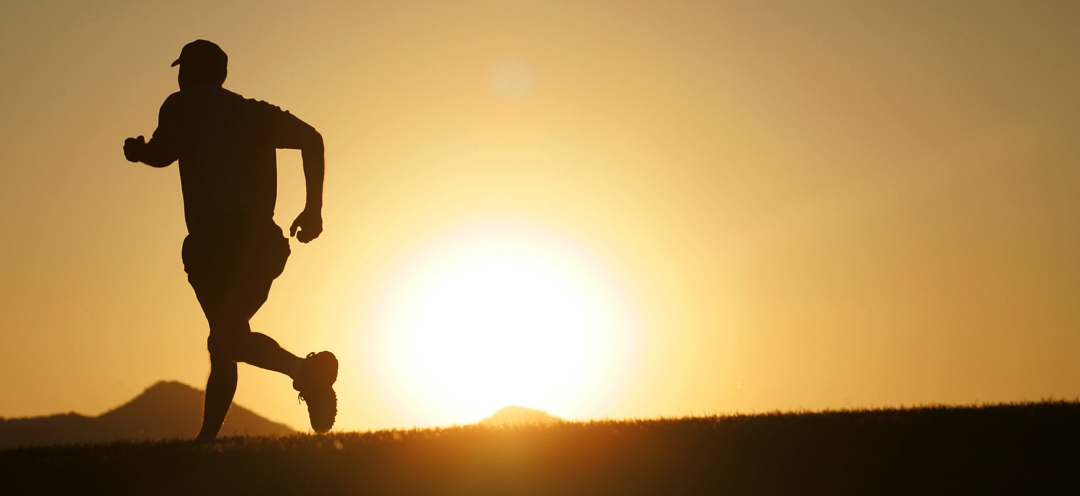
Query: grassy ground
[1007, 449]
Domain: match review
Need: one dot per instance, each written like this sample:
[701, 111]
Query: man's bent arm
[287, 131]
[152, 153]
[308, 225]
[163, 148]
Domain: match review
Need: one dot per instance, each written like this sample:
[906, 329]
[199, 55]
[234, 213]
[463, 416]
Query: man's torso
[226, 146]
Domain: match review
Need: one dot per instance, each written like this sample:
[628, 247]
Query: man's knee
[225, 345]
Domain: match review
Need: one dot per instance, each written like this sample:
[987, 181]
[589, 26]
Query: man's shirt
[226, 145]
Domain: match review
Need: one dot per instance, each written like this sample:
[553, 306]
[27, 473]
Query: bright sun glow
[478, 327]
[500, 331]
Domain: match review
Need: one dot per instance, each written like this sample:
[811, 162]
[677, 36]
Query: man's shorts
[231, 262]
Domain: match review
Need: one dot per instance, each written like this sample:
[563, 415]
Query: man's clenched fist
[308, 225]
[133, 148]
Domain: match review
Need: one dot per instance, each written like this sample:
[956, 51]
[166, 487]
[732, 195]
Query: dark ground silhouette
[166, 410]
[1009, 449]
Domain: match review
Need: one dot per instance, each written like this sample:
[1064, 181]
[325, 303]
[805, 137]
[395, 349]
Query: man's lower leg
[220, 388]
[262, 351]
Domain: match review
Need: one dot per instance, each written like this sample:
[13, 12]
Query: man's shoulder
[174, 107]
[264, 106]
[194, 96]
[174, 99]
[216, 99]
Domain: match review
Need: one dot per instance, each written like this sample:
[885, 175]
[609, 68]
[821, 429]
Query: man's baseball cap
[204, 53]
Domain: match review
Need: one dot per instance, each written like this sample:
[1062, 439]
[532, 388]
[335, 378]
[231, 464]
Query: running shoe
[316, 387]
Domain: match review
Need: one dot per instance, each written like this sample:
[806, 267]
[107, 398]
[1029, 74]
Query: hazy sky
[749, 205]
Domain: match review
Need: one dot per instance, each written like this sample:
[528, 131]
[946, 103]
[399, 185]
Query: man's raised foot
[316, 386]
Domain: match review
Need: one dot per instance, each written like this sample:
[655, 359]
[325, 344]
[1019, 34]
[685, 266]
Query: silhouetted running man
[226, 146]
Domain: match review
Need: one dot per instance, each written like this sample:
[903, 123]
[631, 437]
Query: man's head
[202, 62]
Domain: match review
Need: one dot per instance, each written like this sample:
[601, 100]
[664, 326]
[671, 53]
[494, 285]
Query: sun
[497, 331]
[474, 330]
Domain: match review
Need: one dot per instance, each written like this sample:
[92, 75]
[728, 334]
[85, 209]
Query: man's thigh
[229, 298]
[232, 271]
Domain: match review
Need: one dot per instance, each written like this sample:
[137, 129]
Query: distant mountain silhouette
[513, 415]
[165, 410]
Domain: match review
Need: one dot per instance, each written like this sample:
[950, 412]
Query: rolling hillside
[166, 410]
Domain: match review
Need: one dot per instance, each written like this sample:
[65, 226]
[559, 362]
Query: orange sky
[793, 205]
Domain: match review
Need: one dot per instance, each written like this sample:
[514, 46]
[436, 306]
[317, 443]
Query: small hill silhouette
[165, 410]
[515, 415]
